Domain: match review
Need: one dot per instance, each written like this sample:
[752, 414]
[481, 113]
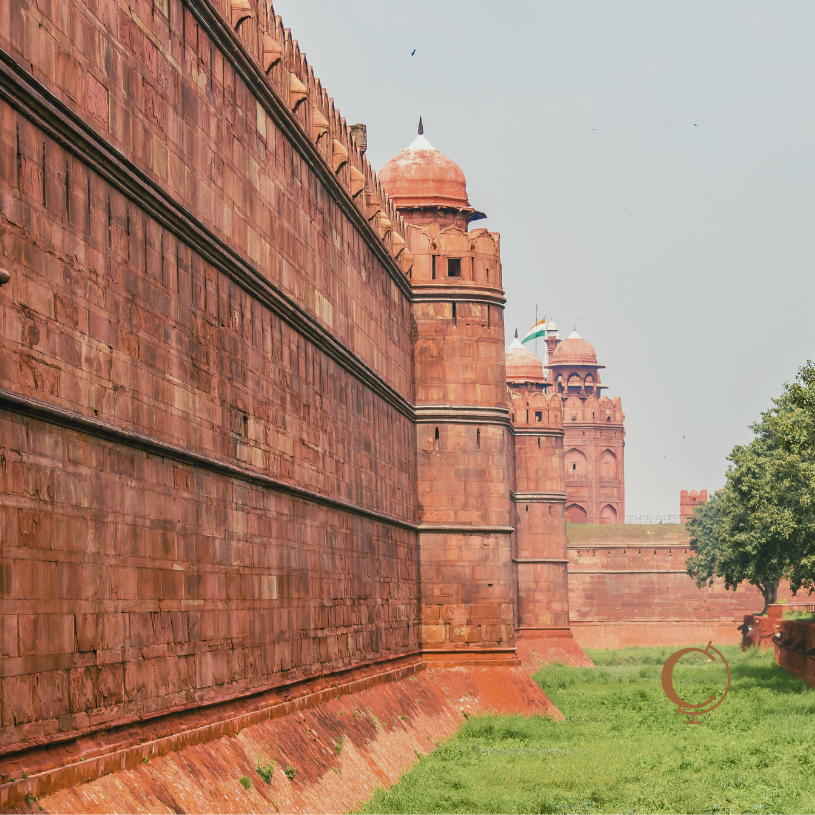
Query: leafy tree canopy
[761, 526]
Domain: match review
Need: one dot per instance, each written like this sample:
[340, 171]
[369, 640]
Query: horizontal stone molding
[34, 101]
[523, 431]
[678, 545]
[539, 560]
[71, 420]
[466, 529]
[460, 414]
[79, 762]
[446, 293]
[574, 572]
[552, 631]
[538, 497]
[238, 56]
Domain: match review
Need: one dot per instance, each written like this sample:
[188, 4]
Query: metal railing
[652, 519]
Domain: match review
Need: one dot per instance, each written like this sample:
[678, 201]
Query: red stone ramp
[340, 749]
[536, 650]
[493, 690]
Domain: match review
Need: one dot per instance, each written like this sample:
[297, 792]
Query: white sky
[650, 169]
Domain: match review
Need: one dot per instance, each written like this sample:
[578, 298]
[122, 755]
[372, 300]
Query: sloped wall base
[339, 738]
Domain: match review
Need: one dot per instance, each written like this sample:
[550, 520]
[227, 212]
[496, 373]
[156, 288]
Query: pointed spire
[516, 333]
[421, 127]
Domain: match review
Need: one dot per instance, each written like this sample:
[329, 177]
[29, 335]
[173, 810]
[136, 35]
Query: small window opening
[453, 267]
[527, 509]
[584, 432]
[538, 415]
[472, 267]
[608, 418]
[539, 441]
[550, 511]
[454, 312]
[574, 466]
[478, 439]
[592, 414]
[433, 269]
[488, 272]
[436, 445]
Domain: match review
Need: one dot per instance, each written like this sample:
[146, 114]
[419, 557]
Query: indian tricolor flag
[537, 330]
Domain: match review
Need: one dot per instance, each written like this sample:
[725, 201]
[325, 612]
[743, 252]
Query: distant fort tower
[688, 501]
[463, 433]
[539, 498]
[593, 432]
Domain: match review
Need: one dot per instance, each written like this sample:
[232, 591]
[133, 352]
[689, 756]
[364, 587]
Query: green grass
[621, 748]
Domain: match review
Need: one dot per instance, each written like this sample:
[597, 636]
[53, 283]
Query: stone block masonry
[628, 586]
[207, 444]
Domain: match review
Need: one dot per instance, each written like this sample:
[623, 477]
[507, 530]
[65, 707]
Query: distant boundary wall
[628, 587]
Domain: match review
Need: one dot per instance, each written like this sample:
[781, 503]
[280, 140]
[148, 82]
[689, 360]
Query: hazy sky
[650, 169]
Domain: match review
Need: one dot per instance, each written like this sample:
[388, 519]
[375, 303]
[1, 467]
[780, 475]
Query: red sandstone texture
[593, 432]
[342, 747]
[688, 501]
[793, 642]
[628, 586]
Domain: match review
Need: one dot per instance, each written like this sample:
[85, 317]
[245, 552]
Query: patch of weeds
[412, 678]
[336, 770]
[145, 760]
[25, 774]
[29, 798]
[290, 772]
[376, 721]
[245, 782]
[338, 745]
[265, 771]
[403, 718]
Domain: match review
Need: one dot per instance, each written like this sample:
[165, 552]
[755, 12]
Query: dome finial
[516, 333]
[421, 127]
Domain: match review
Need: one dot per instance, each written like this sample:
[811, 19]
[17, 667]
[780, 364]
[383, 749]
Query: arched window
[575, 464]
[436, 446]
[478, 439]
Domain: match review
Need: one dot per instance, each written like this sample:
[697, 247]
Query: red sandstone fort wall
[206, 444]
[628, 586]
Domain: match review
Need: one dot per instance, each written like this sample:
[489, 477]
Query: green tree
[760, 527]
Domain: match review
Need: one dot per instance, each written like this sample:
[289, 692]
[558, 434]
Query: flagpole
[536, 322]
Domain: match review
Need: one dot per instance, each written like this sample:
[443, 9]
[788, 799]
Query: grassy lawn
[622, 749]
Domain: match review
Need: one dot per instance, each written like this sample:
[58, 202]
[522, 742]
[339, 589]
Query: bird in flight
[413, 52]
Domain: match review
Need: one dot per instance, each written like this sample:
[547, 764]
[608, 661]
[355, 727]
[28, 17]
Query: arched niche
[575, 514]
[608, 465]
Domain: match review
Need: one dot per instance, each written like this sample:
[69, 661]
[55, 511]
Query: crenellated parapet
[535, 410]
[271, 45]
[593, 410]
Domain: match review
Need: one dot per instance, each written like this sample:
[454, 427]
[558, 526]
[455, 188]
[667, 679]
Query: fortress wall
[628, 586]
[207, 446]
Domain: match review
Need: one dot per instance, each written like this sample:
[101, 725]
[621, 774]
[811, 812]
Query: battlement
[535, 410]
[688, 501]
[478, 253]
[277, 54]
[592, 410]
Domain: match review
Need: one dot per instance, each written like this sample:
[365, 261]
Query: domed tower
[463, 434]
[593, 434]
[539, 556]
